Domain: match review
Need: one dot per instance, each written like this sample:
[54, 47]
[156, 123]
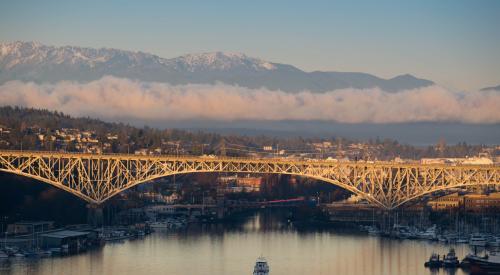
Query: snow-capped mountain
[218, 61]
[31, 61]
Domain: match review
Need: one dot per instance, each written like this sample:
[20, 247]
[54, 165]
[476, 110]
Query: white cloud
[113, 98]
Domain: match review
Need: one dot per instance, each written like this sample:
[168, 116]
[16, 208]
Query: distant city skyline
[454, 43]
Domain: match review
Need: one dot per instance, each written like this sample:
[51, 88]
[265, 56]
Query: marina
[236, 244]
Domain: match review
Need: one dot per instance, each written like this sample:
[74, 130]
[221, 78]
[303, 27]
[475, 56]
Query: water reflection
[232, 249]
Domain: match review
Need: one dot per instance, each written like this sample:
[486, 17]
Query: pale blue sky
[453, 42]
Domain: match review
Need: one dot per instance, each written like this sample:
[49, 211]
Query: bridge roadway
[98, 177]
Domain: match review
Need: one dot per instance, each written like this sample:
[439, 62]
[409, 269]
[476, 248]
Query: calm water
[232, 249]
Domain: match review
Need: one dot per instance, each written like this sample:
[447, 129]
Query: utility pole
[223, 147]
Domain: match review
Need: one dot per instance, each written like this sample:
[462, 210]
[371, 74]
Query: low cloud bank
[113, 98]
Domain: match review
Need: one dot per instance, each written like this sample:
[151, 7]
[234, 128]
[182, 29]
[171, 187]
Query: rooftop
[33, 222]
[64, 234]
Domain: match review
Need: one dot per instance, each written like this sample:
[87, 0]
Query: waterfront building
[477, 202]
[235, 184]
[250, 184]
[452, 201]
[468, 202]
[68, 238]
[29, 227]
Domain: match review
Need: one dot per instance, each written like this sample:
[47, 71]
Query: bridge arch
[50, 182]
[344, 186]
[88, 199]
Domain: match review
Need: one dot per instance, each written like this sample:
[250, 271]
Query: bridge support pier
[95, 215]
[220, 201]
[386, 222]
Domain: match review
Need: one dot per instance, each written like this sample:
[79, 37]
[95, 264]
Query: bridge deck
[121, 156]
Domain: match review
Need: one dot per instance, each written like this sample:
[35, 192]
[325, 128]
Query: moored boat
[116, 236]
[160, 225]
[404, 232]
[462, 240]
[429, 234]
[483, 264]
[3, 255]
[442, 239]
[434, 261]
[170, 223]
[494, 242]
[451, 260]
[477, 240]
[261, 267]
[373, 231]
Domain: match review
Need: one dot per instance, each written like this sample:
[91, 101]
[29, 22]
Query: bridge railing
[245, 159]
[131, 155]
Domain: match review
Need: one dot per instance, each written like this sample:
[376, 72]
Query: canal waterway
[232, 248]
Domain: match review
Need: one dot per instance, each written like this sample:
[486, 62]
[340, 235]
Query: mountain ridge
[493, 88]
[33, 61]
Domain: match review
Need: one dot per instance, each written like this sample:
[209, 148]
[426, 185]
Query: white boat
[462, 240]
[373, 231]
[177, 224]
[261, 267]
[429, 234]
[477, 240]
[451, 238]
[168, 223]
[494, 242]
[160, 225]
[413, 233]
[402, 231]
[10, 250]
[442, 239]
[484, 264]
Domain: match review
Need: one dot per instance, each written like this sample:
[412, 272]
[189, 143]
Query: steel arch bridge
[98, 177]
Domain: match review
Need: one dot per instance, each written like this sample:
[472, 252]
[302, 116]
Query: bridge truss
[98, 177]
